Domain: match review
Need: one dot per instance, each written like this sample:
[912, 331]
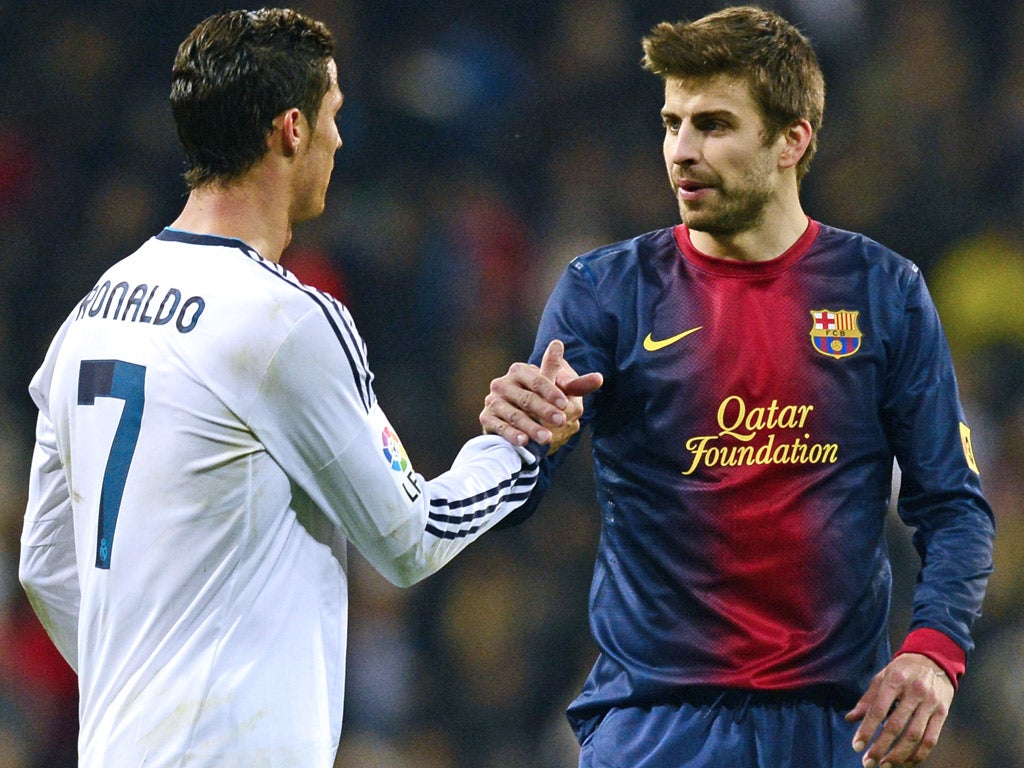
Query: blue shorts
[725, 730]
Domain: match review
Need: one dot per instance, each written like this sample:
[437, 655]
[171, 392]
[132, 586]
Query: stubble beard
[732, 213]
[731, 209]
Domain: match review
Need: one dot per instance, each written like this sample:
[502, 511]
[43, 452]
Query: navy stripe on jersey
[337, 315]
[456, 526]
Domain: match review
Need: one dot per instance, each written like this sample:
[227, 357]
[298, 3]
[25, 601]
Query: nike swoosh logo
[653, 346]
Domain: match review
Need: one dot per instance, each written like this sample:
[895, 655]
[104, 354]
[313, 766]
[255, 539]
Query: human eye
[711, 124]
[671, 123]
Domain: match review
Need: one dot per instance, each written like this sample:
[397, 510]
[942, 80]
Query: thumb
[581, 385]
[552, 359]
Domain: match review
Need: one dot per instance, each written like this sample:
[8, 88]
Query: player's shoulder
[624, 256]
[837, 243]
[207, 286]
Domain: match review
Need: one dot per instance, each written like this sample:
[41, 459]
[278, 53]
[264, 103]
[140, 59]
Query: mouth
[690, 189]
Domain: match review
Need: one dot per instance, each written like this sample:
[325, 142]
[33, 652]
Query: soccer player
[762, 371]
[208, 441]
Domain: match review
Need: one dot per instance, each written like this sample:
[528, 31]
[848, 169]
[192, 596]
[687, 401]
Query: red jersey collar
[730, 268]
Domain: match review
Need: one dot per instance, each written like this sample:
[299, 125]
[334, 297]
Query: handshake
[542, 404]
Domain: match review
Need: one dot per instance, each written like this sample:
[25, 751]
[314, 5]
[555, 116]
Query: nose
[684, 146]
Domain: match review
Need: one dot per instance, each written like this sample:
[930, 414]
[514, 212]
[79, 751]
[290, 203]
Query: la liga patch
[394, 453]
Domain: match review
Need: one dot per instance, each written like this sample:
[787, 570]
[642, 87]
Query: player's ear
[796, 138]
[289, 127]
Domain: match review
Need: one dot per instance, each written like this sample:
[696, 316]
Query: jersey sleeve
[48, 566]
[319, 419]
[573, 315]
[940, 494]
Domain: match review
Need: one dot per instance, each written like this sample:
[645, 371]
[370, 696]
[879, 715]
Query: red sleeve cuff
[939, 648]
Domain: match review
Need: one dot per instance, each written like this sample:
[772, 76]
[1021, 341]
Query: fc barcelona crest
[835, 332]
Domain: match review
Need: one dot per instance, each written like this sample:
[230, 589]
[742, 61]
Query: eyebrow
[722, 112]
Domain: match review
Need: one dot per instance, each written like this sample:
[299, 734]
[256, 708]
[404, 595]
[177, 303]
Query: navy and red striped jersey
[743, 449]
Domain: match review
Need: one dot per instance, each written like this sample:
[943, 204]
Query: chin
[309, 213]
[723, 224]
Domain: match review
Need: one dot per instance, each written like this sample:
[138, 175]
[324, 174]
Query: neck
[247, 210]
[771, 236]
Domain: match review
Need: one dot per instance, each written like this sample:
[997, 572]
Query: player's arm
[573, 313]
[319, 418]
[574, 335]
[48, 568]
[941, 498]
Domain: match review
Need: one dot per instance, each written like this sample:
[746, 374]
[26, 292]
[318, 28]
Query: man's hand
[542, 404]
[909, 700]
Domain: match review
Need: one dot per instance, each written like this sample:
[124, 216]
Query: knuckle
[919, 688]
[892, 729]
[914, 734]
[877, 712]
[896, 677]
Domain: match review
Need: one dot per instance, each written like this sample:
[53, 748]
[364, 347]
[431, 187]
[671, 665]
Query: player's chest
[756, 353]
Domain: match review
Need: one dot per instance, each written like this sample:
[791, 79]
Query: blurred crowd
[485, 144]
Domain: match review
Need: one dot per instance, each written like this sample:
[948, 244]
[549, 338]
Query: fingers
[533, 391]
[498, 418]
[554, 368]
[872, 709]
[564, 375]
[929, 739]
[524, 404]
[899, 736]
[908, 735]
[553, 359]
[917, 739]
[905, 740]
[542, 404]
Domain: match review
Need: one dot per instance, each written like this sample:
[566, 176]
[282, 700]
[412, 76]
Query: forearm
[48, 567]
[409, 527]
[957, 561]
[50, 581]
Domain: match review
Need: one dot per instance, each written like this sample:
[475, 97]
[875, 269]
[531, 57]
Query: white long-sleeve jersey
[208, 440]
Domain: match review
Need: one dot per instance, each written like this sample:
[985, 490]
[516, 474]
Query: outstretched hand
[902, 712]
[542, 404]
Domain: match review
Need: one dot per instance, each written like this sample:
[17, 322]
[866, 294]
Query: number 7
[124, 381]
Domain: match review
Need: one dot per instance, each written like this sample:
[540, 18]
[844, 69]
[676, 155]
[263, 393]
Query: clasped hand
[542, 404]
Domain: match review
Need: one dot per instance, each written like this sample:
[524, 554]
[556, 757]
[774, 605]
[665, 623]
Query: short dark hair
[236, 72]
[748, 42]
